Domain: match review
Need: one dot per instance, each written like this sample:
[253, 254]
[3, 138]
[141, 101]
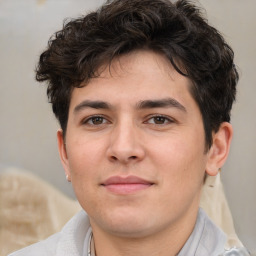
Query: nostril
[113, 158]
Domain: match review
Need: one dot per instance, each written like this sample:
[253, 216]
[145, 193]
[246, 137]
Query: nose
[125, 145]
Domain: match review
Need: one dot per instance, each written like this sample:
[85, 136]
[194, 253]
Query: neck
[166, 242]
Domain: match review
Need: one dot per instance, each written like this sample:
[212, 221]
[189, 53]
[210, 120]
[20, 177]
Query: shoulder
[67, 242]
[236, 252]
[213, 240]
[44, 248]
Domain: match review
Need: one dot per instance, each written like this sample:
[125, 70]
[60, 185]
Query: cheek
[86, 161]
[181, 170]
[84, 155]
[83, 161]
[181, 158]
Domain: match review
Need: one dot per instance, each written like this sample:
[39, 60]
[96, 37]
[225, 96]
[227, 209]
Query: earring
[67, 178]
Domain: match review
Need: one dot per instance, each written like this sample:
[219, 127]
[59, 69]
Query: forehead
[138, 61]
[139, 74]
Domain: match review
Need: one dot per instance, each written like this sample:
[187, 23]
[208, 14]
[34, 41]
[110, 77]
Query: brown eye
[159, 120]
[95, 120]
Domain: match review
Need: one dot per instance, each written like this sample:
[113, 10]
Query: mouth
[126, 185]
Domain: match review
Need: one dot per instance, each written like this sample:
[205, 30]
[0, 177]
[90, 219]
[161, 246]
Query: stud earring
[67, 178]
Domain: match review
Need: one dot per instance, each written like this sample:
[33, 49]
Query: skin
[138, 121]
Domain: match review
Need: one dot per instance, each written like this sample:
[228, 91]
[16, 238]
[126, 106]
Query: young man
[143, 92]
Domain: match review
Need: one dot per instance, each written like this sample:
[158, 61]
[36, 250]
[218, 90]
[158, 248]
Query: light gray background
[28, 128]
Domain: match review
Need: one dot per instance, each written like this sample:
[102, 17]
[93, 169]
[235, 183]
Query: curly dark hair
[178, 30]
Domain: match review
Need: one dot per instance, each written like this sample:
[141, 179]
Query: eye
[160, 120]
[95, 120]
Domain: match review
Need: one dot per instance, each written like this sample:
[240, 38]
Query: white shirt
[74, 239]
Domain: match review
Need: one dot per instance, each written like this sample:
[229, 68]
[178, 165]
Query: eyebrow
[161, 103]
[145, 104]
[92, 104]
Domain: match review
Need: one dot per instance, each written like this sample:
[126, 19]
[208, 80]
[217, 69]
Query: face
[135, 147]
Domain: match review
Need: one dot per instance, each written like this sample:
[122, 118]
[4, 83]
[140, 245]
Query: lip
[126, 185]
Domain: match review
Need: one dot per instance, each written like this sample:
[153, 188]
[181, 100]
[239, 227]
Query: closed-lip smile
[126, 185]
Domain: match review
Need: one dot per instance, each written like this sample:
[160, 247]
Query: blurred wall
[28, 128]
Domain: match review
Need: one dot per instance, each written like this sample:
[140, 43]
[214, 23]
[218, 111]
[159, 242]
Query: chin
[123, 224]
[130, 231]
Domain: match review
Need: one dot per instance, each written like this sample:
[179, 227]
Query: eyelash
[87, 120]
[167, 120]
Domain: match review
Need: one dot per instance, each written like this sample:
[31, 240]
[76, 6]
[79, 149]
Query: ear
[63, 153]
[219, 150]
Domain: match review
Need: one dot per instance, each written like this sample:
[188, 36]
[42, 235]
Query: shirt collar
[206, 239]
